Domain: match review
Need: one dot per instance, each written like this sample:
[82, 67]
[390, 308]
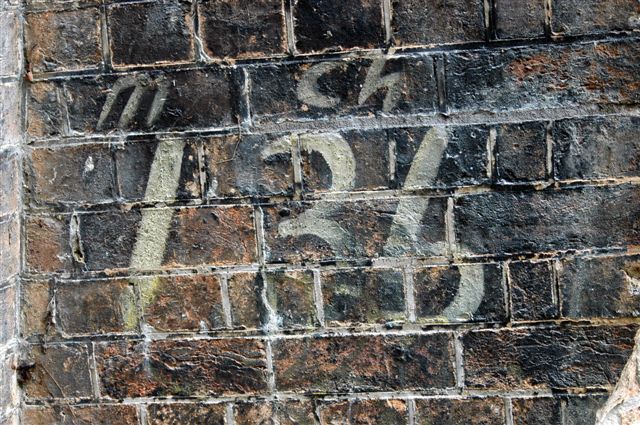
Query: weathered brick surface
[99, 415]
[182, 303]
[252, 165]
[365, 363]
[182, 368]
[312, 90]
[521, 152]
[10, 61]
[519, 19]
[333, 25]
[534, 411]
[600, 287]
[63, 40]
[95, 307]
[60, 371]
[383, 412]
[527, 222]
[245, 29]
[588, 17]
[547, 357]
[363, 296]
[593, 148]
[174, 414]
[285, 413]
[460, 411]
[331, 230]
[82, 174]
[418, 22]
[436, 289]
[135, 27]
[317, 212]
[533, 291]
[532, 78]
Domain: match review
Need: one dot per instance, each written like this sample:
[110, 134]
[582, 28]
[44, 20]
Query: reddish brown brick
[480, 411]
[183, 413]
[179, 303]
[537, 411]
[8, 309]
[364, 363]
[47, 240]
[78, 174]
[182, 368]
[365, 412]
[89, 415]
[58, 371]
[250, 165]
[94, 307]
[290, 294]
[44, 112]
[362, 296]
[244, 295]
[134, 28]
[10, 245]
[285, 413]
[35, 308]
[63, 40]
[546, 357]
[243, 28]
[214, 236]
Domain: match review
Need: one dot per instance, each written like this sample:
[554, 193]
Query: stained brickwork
[319, 212]
[11, 139]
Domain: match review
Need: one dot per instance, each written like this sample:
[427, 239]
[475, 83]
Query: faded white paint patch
[375, 81]
[312, 222]
[338, 155]
[470, 293]
[308, 87]
[141, 84]
[623, 406]
[403, 236]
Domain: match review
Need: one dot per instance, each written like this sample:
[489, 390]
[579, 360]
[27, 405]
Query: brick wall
[11, 138]
[323, 212]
